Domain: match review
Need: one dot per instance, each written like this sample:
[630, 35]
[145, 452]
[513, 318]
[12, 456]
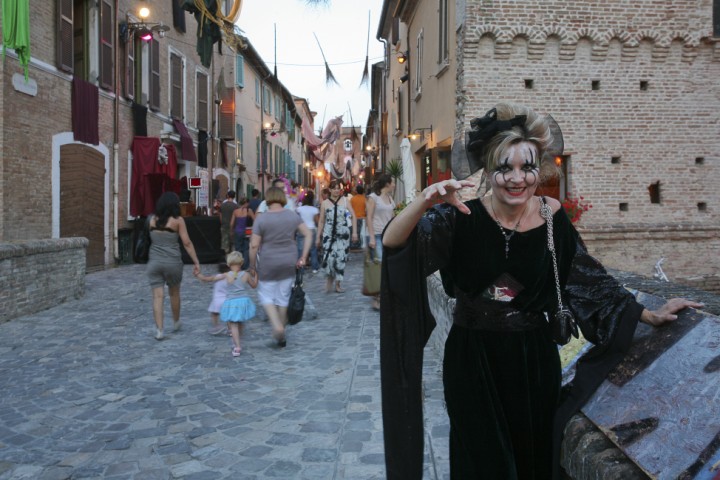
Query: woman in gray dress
[273, 252]
[165, 264]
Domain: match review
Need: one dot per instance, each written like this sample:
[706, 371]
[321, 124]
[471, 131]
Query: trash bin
[125, 246]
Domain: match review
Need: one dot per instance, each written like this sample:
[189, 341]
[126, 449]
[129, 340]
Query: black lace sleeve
[434, 236]
[596, 299]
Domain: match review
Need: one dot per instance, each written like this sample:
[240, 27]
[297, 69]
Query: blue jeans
[242, 245]
[313, 249]
[378, 250]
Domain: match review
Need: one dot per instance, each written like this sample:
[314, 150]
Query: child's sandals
[236, 351]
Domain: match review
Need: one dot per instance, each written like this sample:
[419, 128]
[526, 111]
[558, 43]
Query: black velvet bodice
[477, 260]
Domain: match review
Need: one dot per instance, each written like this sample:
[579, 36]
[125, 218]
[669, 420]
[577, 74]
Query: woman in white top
[309, 214]
[380, 210]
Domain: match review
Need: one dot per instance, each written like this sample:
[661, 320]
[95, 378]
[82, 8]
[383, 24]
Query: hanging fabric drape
[320, 146]
[16, 30]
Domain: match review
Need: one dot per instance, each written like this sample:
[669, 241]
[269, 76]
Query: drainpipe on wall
[116, 148]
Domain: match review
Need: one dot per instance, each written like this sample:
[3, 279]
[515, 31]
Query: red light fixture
[145, 34]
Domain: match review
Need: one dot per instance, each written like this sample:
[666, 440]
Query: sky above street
[342, 30]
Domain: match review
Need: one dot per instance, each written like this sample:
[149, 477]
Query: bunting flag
[366, 70]
[329, 77]
[320, 146]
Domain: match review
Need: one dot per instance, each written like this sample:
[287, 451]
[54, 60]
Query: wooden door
[82, 199]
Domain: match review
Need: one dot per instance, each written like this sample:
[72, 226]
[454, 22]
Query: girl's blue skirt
[237, 310]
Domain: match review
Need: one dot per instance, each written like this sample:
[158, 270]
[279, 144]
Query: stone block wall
[38, 274]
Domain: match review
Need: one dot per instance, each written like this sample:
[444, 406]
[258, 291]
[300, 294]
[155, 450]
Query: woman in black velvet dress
[501, 368]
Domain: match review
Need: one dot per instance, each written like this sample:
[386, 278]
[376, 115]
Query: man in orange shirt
[358, 204]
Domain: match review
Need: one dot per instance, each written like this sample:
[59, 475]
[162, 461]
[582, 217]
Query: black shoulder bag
[296, 305]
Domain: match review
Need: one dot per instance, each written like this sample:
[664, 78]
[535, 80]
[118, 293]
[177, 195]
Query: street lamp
[144, 30]
[418, 131]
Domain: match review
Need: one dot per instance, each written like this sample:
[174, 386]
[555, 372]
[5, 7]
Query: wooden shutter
[239, 71]
[154, 100]
[227, 114]
[202, 101]
[239, 143]
[64, 54]
[107, 45]
[130, 68]
[257, 154]
[395, 31]
[176, 86]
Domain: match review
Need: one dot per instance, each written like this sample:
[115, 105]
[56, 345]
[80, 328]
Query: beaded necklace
[507, 236]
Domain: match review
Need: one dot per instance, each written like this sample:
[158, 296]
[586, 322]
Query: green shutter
[239, 71]
[257, 154]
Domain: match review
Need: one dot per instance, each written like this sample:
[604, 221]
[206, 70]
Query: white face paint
[517, 175]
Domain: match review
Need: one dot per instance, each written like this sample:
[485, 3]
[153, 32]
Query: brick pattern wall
[664, 130]
[36, 275]
[26, 140]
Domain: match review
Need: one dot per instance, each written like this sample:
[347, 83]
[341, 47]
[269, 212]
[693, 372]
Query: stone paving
[87, 392]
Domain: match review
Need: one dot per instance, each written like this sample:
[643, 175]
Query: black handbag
[296, 305]
[142, 245]
[562, 321]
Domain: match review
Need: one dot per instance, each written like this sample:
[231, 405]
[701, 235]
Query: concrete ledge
[38, 274]
[586, 452]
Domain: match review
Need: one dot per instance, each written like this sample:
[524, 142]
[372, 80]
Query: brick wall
[38, 274]
[663, 130]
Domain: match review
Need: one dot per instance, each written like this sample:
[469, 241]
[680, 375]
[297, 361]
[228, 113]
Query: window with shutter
[239, 71]
[130, 68]
[396, 31]
[227, 114]
[107, 45]
[65, 58]
[239, 143]
[201, 113]
[257, 154]
[443, 31]
[154, 98]
[177, 87]
[257, 92]
[267, 100]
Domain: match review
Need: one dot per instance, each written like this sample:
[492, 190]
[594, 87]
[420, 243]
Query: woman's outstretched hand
[667, 313]
[446, 190]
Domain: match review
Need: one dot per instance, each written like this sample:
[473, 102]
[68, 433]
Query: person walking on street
[334, 235]
[241, 218]
[218, 298]
[359, 202]
[309, 215]
[380, 210]
[289, 202]
[165, 264]
[273, 254]
[254, 200]
[226, 210]
[237, 308]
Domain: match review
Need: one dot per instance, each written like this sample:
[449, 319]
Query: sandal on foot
[236, 351]
[216, 330]
[159, 335]
[177, 326]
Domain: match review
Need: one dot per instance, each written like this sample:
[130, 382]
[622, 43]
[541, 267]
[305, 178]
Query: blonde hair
[275, 195]
[235, 258]
[536, 130]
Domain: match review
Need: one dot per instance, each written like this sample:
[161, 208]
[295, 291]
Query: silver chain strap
[546, 213]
